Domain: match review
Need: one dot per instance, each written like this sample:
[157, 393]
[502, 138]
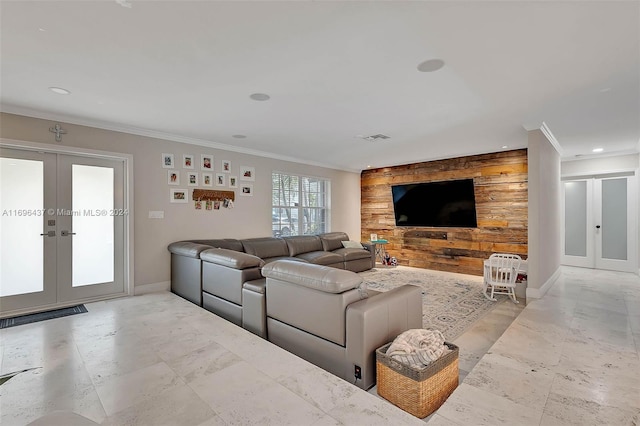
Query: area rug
[451, 303]
[42, 316]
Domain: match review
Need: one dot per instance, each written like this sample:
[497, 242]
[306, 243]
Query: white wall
[600, 165]
[251, 216]
[544, 214]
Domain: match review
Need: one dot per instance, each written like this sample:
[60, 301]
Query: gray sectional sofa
[241, 260]
[301, 293]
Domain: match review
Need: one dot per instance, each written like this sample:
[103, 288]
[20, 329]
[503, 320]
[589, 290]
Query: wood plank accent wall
[500, 181]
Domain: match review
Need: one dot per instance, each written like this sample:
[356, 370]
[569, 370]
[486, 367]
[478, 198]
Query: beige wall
[251, 216]
[544, 214]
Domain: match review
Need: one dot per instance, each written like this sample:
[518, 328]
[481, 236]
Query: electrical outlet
[358, 372]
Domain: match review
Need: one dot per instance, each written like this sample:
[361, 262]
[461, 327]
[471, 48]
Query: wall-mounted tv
[436, 204]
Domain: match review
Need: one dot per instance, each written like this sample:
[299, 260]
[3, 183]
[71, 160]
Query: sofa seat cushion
[230, 258]
[187, 248]
[321, 257]
[353, 253]
[294, 259]
[317, 277]
[300, 244]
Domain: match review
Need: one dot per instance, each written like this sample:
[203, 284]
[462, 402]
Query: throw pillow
[351, 244]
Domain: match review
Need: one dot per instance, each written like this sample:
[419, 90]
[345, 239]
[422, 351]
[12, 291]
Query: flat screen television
[449, 203]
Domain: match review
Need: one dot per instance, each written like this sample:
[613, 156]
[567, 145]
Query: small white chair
[500, 273]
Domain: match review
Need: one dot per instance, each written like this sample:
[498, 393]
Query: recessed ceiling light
[598, 149]
[431, 65]
[260, 97]
[368, 166]
[41, 30]
[59, 90]
[239, 136]
[505, 146]
[124, 3]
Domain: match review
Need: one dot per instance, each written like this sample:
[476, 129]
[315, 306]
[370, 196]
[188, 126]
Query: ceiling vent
[375, 137]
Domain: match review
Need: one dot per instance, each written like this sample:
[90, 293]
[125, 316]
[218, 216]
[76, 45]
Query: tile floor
[569, 358]
[157, 359]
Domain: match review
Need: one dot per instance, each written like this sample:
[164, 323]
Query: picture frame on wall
[206, 162]
[192, 179]
[247, 173]
[226, 166]
[246, 190]
[207, 179]
[178, 195]
[173, 177]
[168, 161]
[233, 181]
[187, 161]
[220, 177]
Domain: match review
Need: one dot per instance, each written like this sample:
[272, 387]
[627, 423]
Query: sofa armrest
[378, 320]
[231, 259]
[187, 248]
[372, 249]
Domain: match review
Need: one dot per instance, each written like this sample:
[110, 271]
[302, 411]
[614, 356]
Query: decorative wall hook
[59, 131]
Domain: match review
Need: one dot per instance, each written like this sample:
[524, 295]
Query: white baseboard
[152, 288]
[537, 293]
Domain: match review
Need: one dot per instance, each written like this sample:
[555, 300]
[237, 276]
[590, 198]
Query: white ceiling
[334, 70]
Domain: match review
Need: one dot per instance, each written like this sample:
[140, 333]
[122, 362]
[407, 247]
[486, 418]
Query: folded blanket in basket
[417, 347]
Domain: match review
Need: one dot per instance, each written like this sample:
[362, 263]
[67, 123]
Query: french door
[600, 223]
[61, 229]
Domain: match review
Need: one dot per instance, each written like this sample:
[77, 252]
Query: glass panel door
[578, 244]
[614, 219]
[62, 225]
[615, 226]
[93, 228]
[27, 238]
[600, 223]
[91, 241]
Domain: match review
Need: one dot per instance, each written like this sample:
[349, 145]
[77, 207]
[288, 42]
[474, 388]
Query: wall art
[207, 179]
[206, 162]
[247, 173]
[192, 179]
[168, 161]
[173, 177]
[178, 195]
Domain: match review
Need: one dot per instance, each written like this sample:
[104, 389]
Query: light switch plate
[156, 214]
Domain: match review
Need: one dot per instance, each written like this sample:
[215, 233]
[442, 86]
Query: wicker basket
[417, 391]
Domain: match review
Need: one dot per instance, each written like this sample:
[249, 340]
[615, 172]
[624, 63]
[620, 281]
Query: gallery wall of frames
[192, 177]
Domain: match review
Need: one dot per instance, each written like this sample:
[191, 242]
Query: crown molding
[546, 131]
[552, 139]
[105, 125]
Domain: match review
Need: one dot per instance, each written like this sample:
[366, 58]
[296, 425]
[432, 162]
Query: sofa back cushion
[320, 278]
[266, 248]
[300, 244]
[223, 243]
[333, 240]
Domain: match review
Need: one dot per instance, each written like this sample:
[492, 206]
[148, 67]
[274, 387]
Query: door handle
[67, 233]
[597, 226]
[49, 234]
